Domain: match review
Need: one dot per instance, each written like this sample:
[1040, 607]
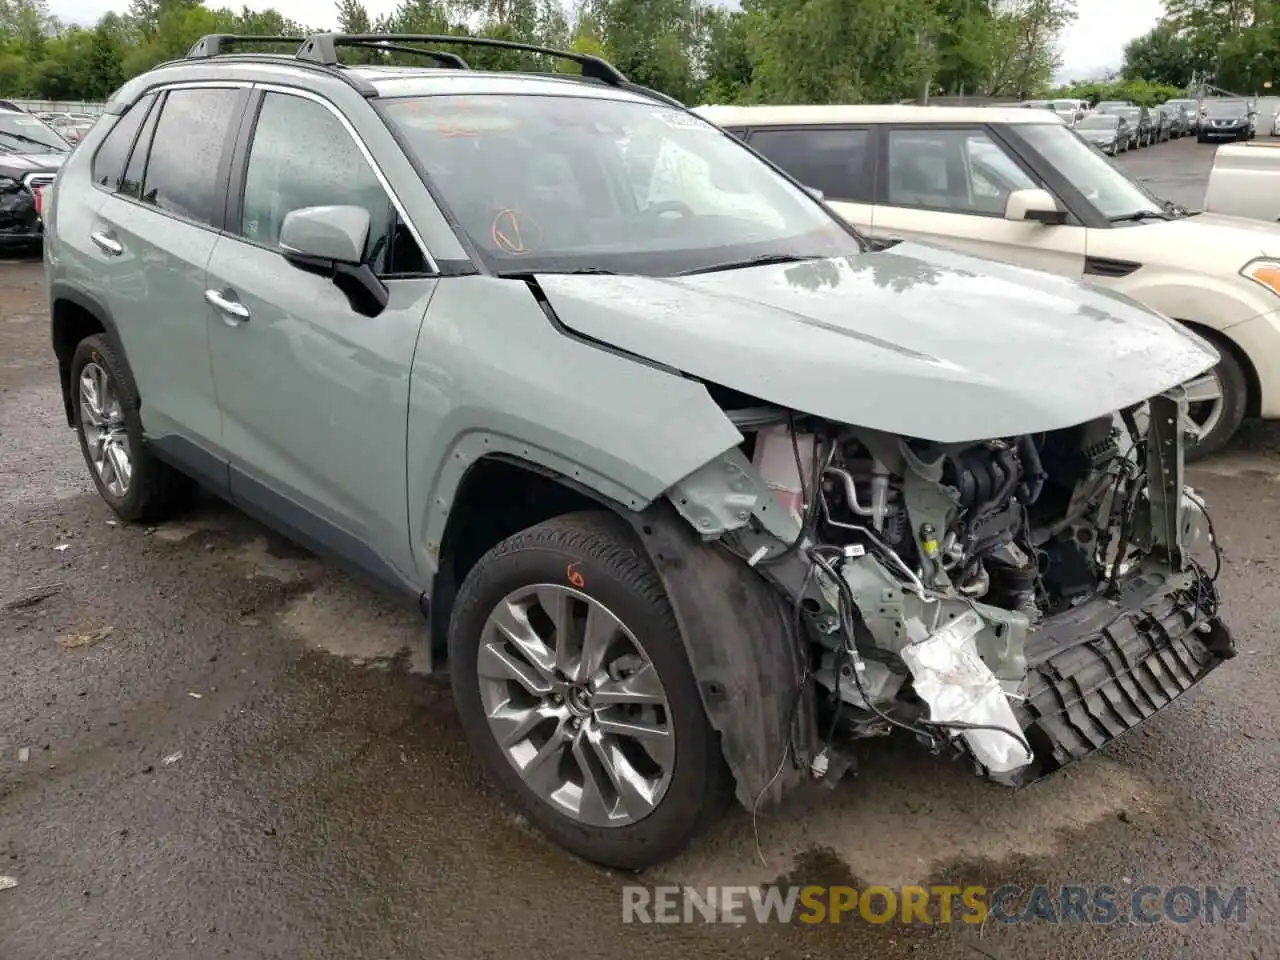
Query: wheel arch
[75, 314]
[498, 495]
[1222, 340]
[736, 627]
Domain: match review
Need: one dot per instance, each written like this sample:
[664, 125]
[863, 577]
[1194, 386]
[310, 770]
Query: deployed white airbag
[951, 677]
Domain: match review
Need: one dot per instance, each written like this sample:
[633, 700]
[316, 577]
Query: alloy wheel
[1206, 406]
[102, 424]
[576, 705]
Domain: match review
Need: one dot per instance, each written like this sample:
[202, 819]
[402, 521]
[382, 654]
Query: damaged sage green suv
[695, 487]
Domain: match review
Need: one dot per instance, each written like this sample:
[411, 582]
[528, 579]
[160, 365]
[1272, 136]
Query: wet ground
[214, 745]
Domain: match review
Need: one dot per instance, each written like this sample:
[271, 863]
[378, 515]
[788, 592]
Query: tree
[727, 58]
[353, 17]
[654, 42]
[963, 35]
[1021, 48]
[1161, 56]
[809, 51]
[834, 51]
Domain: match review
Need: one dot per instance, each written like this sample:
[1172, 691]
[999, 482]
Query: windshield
[1184, 104]
[1132, 114]
[577, 184]
[1096, 122]
[1226, 108]
[23, 134]
[1085, 167]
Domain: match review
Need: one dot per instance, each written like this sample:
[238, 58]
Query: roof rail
[217, 44]
[322, 48]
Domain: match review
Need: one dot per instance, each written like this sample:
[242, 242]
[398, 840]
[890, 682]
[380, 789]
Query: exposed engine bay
[1023, 599]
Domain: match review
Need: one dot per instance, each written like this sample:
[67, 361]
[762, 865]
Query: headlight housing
[1263, 271]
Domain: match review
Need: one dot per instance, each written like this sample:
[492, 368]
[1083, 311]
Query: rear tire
[584, 562]
[104, 406]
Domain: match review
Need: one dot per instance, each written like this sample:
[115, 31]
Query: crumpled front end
[1023, 600]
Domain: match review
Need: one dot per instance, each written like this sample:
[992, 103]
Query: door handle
[233, 310]
[107, 243]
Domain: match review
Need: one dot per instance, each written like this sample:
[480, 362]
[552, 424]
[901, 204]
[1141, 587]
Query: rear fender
[67, 328]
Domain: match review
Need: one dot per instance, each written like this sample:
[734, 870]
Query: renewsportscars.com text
[1099, 904]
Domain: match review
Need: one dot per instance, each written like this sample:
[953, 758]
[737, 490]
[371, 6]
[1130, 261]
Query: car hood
[18, 165]
[916, 340]
[1195, 242]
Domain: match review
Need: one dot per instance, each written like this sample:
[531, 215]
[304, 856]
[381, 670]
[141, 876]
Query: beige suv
[1020, 186]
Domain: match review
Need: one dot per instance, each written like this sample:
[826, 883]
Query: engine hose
[1033, 475]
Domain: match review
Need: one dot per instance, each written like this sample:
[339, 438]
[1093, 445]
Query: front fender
[1218, 303]
[493, 373]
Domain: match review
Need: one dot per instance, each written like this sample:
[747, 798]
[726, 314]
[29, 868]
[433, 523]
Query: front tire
[574, 688]
[129, 478]
[1218, 401]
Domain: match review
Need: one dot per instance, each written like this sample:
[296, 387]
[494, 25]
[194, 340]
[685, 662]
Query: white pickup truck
[1245, 181]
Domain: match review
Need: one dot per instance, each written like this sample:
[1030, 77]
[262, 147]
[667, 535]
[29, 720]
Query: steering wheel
[664, 207]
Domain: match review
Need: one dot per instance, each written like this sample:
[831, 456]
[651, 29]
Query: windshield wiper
[763, 260]
[49, 147]
[572, 272]
[1138, 215]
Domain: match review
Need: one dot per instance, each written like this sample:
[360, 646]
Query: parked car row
[31, 153]
[70, 126]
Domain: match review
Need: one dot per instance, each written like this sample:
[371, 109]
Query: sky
[1091, 46]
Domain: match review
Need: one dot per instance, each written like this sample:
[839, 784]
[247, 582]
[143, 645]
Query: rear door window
[833, 160]
[184, 173]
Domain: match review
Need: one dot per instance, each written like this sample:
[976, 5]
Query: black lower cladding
[1100, 669]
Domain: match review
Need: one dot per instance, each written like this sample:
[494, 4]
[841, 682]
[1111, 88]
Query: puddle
[897, 829]
[180, 531]
[1239, 465]
[259, 558]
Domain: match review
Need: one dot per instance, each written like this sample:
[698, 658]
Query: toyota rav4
[694, 487]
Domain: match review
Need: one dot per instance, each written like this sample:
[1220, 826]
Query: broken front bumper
[1100, 669]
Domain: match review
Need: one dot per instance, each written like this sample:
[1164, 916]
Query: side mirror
[330, 242]
[815, 193]
[1037, 205]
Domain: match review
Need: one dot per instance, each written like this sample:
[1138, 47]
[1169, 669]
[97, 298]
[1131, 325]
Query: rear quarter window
[113, 153]
[832, 160]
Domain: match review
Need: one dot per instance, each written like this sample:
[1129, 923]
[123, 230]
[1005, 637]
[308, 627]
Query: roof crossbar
[217, 44]
[322, 48]
[439, 56]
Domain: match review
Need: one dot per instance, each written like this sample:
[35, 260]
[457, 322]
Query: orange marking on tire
[575, 575]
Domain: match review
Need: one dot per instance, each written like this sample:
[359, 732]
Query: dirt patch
[345, 620]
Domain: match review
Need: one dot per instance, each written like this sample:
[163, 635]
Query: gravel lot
[230, 752]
